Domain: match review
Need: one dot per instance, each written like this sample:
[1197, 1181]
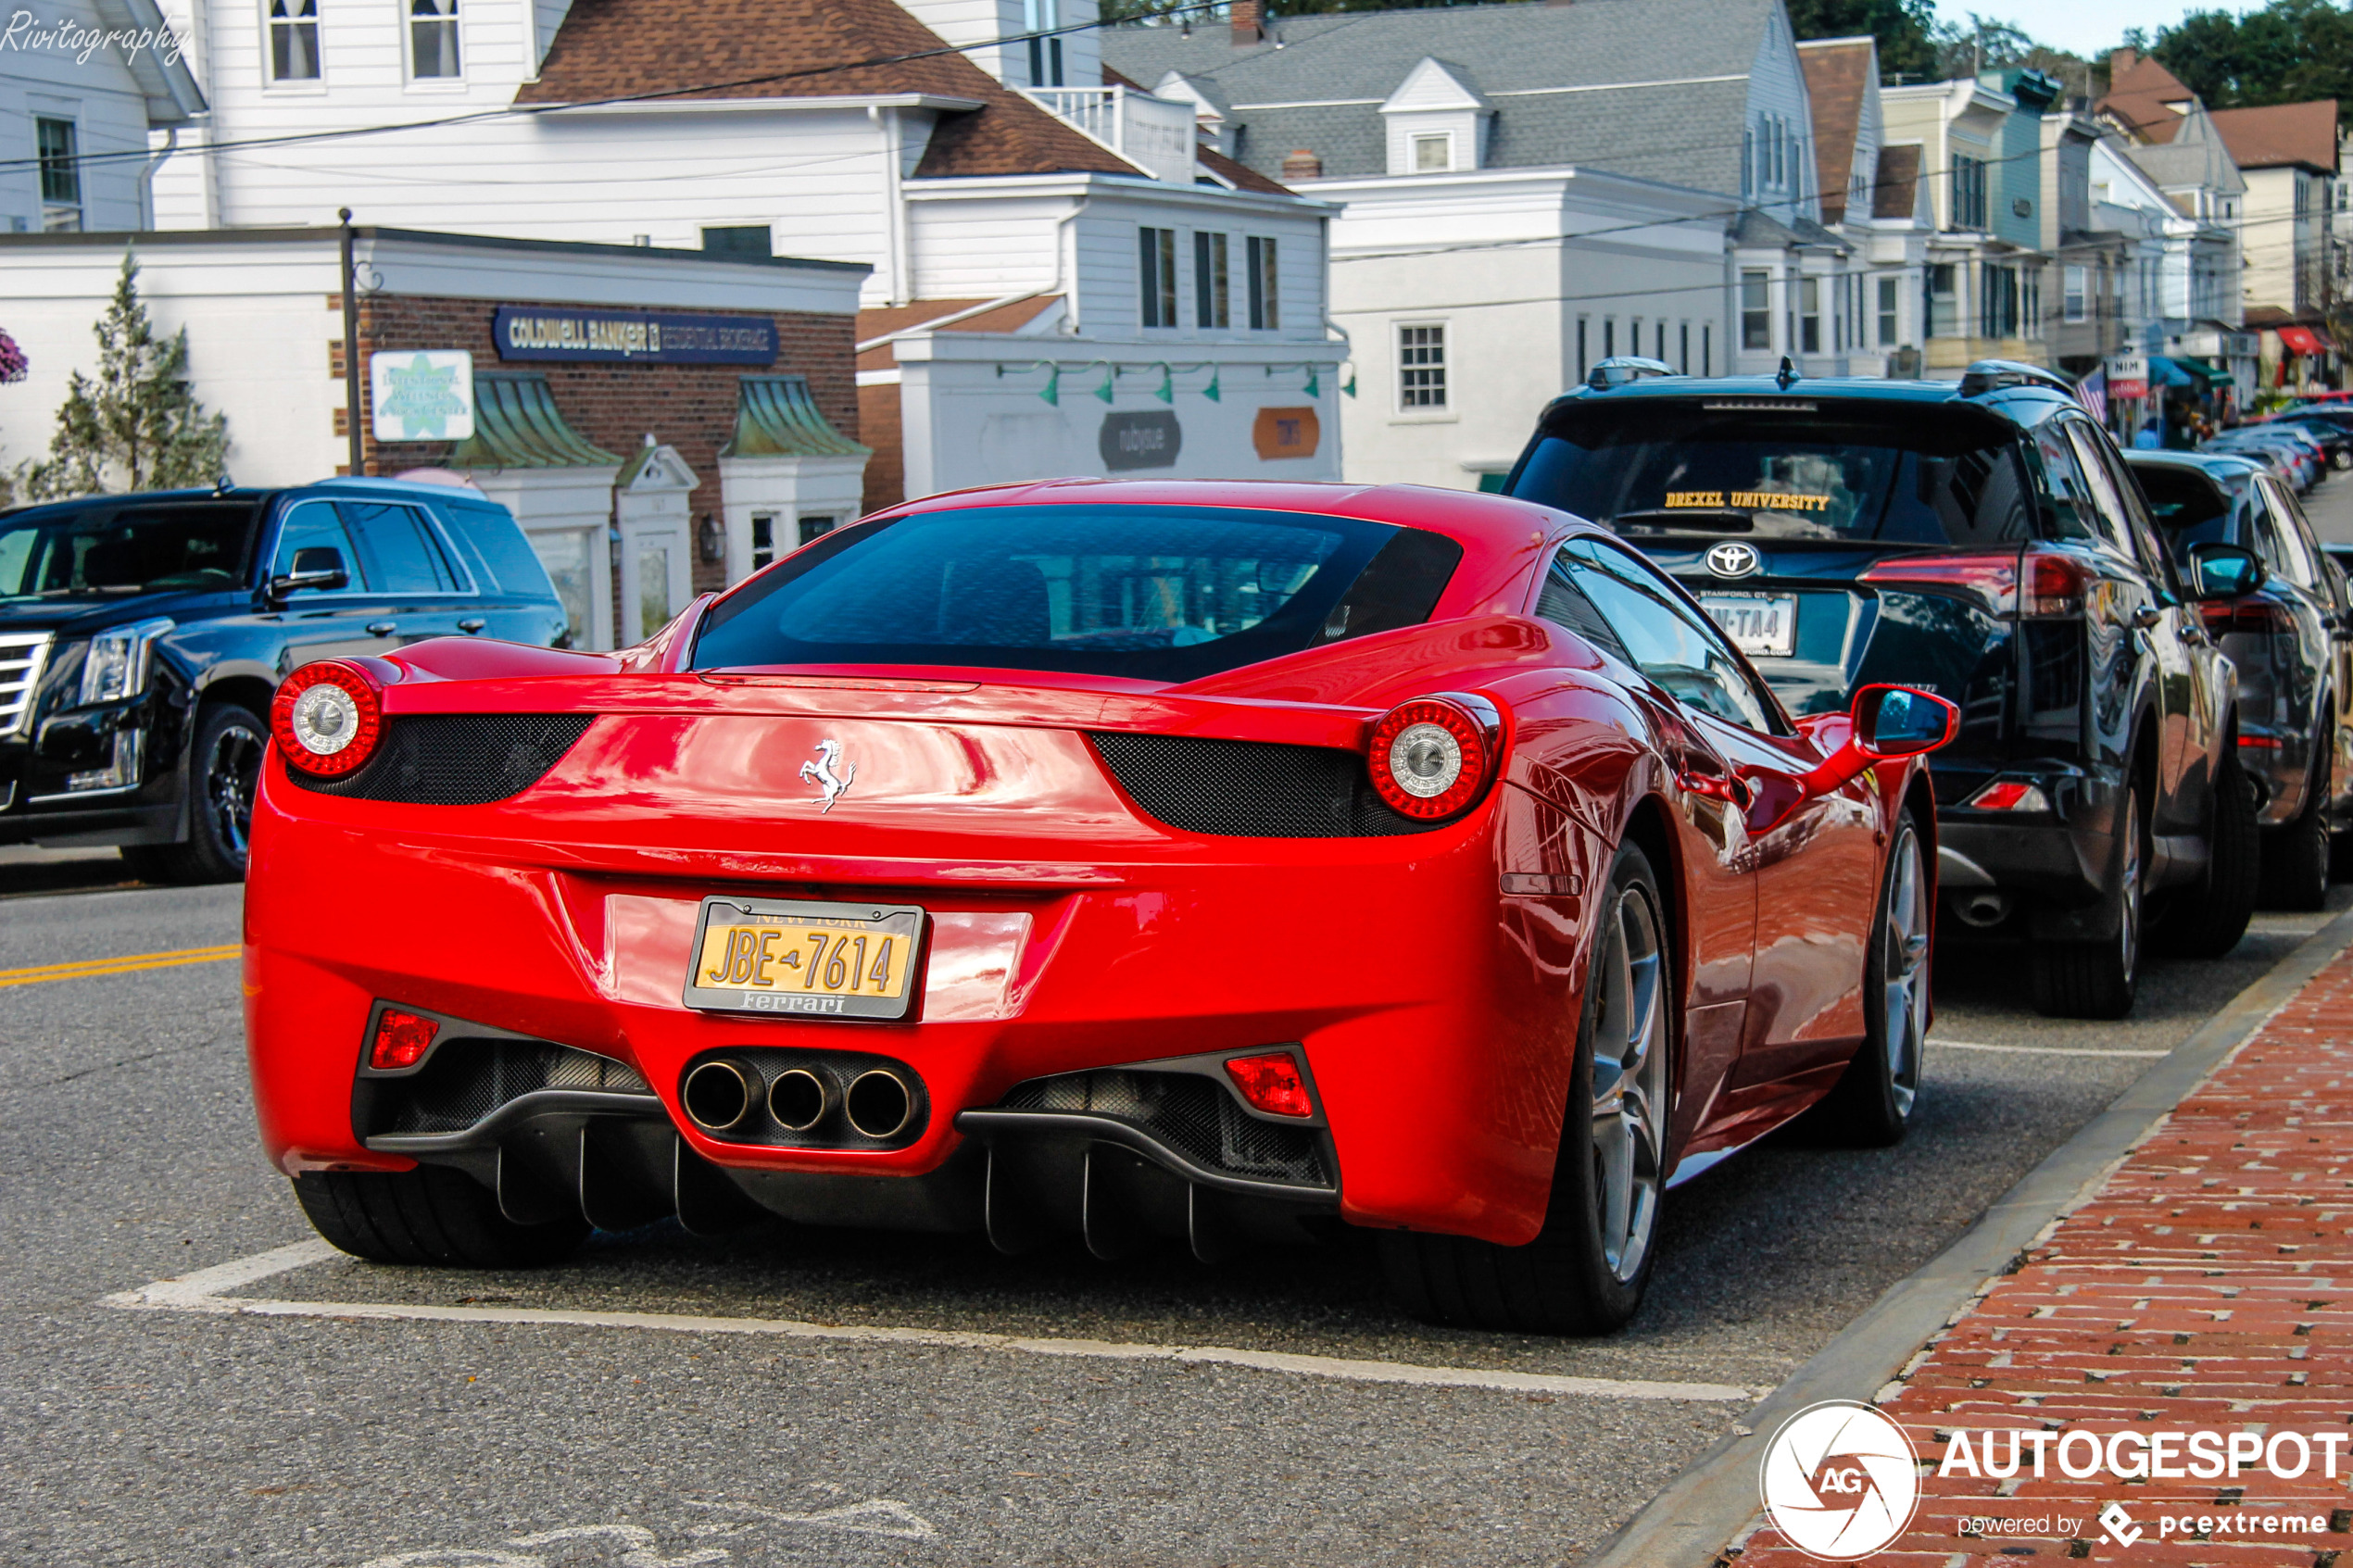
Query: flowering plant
[14, 365]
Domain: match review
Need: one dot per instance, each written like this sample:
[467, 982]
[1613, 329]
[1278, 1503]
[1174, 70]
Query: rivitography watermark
[28, 33]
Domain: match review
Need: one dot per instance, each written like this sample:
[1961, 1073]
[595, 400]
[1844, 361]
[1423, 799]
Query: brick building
[646, 467]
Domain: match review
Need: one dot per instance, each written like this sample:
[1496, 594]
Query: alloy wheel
[1903, 970]
[232, 772]
[1629, 1083]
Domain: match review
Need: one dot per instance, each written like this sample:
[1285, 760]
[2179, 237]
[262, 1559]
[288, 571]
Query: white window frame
[1415, 140]
[2075, 293]
[1445, 407]
[271, 81]
[52, 212]
[454, 24]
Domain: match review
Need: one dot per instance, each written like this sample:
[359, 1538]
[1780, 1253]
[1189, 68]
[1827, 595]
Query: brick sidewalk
[2209, 1285]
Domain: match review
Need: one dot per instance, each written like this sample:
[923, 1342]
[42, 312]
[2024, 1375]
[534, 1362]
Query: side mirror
[318, 569]
[2224, 572]
[1900, 722]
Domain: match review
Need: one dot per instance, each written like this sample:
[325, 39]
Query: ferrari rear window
[1152, 592]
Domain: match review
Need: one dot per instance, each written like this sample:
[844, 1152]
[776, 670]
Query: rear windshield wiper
[1687, 519]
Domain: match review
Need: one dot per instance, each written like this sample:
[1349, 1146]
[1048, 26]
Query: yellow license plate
[804, 958]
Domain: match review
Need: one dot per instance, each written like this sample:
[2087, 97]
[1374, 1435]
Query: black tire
[1564, 1281]
[2100, 979]
[224, 772]
[429, 1215]
[2297, 854]
[2206, 922]
[1872, 1101]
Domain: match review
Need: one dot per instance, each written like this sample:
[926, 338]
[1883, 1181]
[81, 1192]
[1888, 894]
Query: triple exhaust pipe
[721, 1094]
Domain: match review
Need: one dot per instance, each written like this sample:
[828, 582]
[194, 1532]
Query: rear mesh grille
[1190, 1114]
[467, 1080]
[1251, 789]
[459, 759]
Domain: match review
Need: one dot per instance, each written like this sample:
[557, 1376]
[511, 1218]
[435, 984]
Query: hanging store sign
[547, 331]
[1286, 432]
[421, 394]
[1140, 438]
[2128, 375]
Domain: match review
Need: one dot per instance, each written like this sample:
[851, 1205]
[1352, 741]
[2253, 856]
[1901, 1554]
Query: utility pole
[351, 346]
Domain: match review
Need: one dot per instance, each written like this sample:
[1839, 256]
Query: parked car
[2288, 639]
[2334, 436]
[1984, 541]
[1129, 861]
[142, 637]
[2296, 460]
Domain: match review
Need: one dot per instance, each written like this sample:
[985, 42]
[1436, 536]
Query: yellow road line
[127, 964]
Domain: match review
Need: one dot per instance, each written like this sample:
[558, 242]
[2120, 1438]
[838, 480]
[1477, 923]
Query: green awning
[775, 417]
[517, 425]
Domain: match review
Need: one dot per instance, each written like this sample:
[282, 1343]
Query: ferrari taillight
[1271, 1084]
[327, 718]
[402, 1039]
[1432, 758]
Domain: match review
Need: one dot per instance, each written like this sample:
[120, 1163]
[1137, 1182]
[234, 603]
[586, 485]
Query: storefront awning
[2301, 340]
[2176, 373]
[517, 425]
[776, 417]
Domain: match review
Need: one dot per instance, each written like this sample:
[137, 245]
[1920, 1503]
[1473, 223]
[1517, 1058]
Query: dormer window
[1436, 120]
[1434, 154]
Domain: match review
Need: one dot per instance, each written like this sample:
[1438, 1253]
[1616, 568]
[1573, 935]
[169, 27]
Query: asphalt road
[126, 1154]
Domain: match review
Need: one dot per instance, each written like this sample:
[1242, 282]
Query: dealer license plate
[1759, 624]
[796, 958]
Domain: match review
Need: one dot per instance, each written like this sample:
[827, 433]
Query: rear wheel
[1586, 1271]
[429, 1215]
[2099, 978]
[2206, 922]
[2296, 854]
[1872, 1103]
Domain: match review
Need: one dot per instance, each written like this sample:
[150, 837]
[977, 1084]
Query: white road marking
[2038, 1050]
[202, 1292]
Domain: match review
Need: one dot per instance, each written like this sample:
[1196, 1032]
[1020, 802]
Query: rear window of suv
[1783, 468]
[1152, 592]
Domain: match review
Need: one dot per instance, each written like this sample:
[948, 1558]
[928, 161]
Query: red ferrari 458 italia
[1214, 863]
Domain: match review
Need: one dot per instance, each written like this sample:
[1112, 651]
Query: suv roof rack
[1625, 369]
[1988, 375]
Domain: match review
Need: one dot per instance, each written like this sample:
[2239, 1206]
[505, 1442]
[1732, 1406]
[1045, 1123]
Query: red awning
[2302, 340]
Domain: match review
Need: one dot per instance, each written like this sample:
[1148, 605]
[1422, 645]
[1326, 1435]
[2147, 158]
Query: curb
[1709, 1505]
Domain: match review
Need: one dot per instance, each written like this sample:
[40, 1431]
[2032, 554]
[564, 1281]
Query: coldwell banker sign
[617, 337]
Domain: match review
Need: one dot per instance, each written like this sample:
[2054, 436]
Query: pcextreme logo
[1838, 1481]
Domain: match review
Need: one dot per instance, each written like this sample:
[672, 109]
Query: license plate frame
[1778, 642]
[707, 991]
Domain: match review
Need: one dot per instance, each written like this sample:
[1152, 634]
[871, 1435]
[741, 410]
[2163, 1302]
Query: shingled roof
[2283, 134]
[1640, 87]
[736, 49]
[1896, 191]
[1838, 72]
[2139, 96]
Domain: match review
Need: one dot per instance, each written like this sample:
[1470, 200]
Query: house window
[1998, 303]
[1156, 259]
[2030, 301]
[1887, 324]
[1810, 315]
[433, 39]
[763, 539]
[1213, 289]
[1584, 361]
[1434, 155]
[1609, 337]
[2078, 285]
[815, 526]
[1659, 346]
[1969, 192]
[1757, 312]
[293, 40]
[1421, 366]
[1266, 279]
[1748, 162]
[1708, 348]
[1685, 362]
[1045, 54]
[1943, 293]
[739, 239]
[60, 175]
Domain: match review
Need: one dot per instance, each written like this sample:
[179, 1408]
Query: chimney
[2120, 61]
[1301, 164]
[1246, 31]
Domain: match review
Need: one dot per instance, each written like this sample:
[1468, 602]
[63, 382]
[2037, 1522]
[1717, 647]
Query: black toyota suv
[1982, 540]
[141, 637]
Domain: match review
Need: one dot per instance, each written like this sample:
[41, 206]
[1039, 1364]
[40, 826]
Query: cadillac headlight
[118, 659]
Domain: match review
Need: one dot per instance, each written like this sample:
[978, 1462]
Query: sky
[2089, 28]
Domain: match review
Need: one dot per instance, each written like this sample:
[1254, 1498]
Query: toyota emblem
[1732, 559]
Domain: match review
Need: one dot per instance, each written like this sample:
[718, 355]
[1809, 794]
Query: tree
[2289, 52]
[1903, 29]
[137, 426]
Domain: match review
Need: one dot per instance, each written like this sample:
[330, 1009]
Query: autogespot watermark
[27, 33]
[1840, 1480]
